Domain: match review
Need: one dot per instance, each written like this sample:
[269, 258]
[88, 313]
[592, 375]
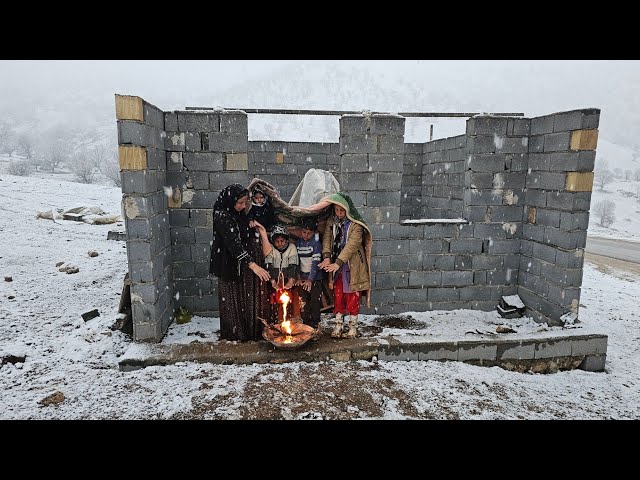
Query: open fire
[291, 333]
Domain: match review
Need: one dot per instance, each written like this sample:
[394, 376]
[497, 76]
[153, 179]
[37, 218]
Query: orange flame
[286, 324]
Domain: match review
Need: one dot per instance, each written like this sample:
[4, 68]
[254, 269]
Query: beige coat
[353, 253]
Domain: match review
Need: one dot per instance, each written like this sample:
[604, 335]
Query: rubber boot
[337, 330]
[353, 323]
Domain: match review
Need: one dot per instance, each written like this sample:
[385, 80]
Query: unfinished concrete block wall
[284, 164]
[143, 172]
[206, 151]
[519, 188]
[556, 216]
[443, 177]
[411, 201]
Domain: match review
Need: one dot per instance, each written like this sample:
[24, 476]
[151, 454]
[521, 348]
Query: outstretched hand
[334, 267]
[324, 263]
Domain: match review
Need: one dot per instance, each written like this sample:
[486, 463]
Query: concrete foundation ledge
[543, 354]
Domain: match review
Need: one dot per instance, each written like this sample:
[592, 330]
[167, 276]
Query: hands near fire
[334, 267]
[306, 285]
[259, 271]
[324, 263]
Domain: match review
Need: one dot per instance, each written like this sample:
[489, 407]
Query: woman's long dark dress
[242, 296]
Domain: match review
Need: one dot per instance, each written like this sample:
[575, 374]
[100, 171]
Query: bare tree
[82, 166]
[618, 172]
[627, 174]
[636, 175]
[110, 168]
[6, 137]
[606, 211]
[21, 168]
[58, 153]
[26, 146]
[604, 177]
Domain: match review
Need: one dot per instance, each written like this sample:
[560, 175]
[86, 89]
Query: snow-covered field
[79, 359]
[626, 196]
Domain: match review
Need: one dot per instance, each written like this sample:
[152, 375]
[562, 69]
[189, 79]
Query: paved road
[620, 249]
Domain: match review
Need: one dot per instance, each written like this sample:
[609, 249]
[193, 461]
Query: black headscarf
[226, 202]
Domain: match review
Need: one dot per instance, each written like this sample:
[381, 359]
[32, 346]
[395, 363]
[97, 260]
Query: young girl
[346, 251]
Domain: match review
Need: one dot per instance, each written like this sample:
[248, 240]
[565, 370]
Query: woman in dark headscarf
[236, 259]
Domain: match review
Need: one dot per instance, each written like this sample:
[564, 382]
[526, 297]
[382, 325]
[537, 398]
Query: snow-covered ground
[79, 359]
[625, 194]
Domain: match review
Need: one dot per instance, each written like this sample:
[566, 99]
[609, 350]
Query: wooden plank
[584, 139]
[579, 182]
[132, 158]
[129, 108]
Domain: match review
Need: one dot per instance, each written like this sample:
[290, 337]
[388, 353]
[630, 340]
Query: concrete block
[536, 198]
[463, 262]
[457, 278]
[174, 161]
[548, 217]
[536, 144]
[391, 280]
[546, 180]
[593, 363]
[390, 247]
[387, 125]
[569, 259]
[555, 142]
[553, 348]
[481, 125]
[438, 351]
[387, 163]
[437, 262]
[544, 252]
[183, 270]
[171, 122]
[468, 350]
[410, 295]
[478, 292]
[502, 246]
[406, 231]
[490, 162]
[480, 278]
[435, 294]
[424, 279]
[481, 144]
[358, 144]
[197, 122]
[465, 245]
[359, 181]
[235, 123]
[355, 162]
[506, 213]
[428, 246]
[512, 144]
[393, 144]
[220, 180]
[567, 121]
[506, 277]
[590, 345]
[478, 181]
[153, 116]
[180, 253]
[515, 350]
[389, 181]
[541, 125]
[486, 262]
[390, 353]
[174, 141]
[518, 126]
[146, 332]
[568, 298]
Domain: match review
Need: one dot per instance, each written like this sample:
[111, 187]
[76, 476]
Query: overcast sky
[533, 87]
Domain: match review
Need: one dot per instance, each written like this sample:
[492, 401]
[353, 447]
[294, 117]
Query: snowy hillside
[70, 366]
[626, 196]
